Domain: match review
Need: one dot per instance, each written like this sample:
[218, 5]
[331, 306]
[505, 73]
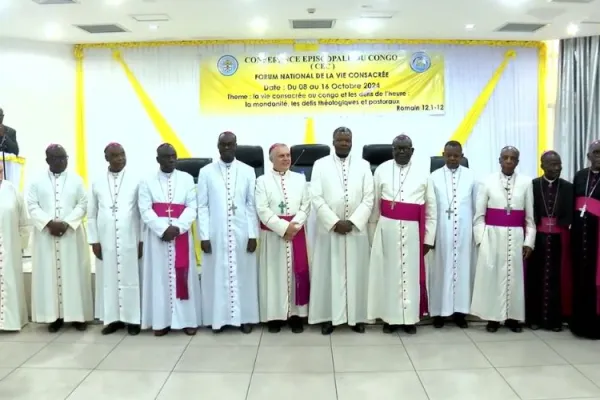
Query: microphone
[3, 149]
[298, 159]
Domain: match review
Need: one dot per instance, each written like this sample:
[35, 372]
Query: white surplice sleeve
[24, 226]
[188, 216]
[430, 212]
[137, 201]
[480, 209]
[360, 216]
[302, 214]
[202, 200]
[39, 217]
[251, 218]
[92, 215]
[267, 216]
[530, 228]
[76, 216]
[152, 221]
[325, 215]
[376, 213]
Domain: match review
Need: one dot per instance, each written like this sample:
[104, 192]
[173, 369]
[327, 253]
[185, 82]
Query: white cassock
[14, 237]
[227, 217]
[114, 222]
[499, 293]
[451, 262]
[341, 190]
[397, 282]
[61, 280]
[170, 287]
[279, 198]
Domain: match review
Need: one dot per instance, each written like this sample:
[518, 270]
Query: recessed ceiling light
[259, 24]
[470, 27]
[114, 2]
[153, 27]
[572, 29]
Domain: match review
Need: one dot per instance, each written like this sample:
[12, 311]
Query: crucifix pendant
[282, 207]
[550, 224]
[114, 209]
[449, 212]
[393, 204]
[233, 208]
[583, 210]
[169, 211]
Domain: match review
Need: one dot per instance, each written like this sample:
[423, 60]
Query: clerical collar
[226, 164]
[280, 173]
[55, 174]
[550, 181]
[402, 166]
[507, 176]
[166, 174]
[340, 159]
[450, 169]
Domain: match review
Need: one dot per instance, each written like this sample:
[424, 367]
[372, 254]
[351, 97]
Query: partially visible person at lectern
[8, 137]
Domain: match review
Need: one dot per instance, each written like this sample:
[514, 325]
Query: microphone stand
[2, 147]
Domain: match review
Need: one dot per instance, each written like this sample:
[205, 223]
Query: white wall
[37, 92]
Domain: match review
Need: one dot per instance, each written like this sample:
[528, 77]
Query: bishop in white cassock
[114, 232]
[283, 204]
[342, 192]
[404, 212]
[171, 297]
[450, 282]
[14, 237]
[504, 229]
[228, 229]
[61, 282]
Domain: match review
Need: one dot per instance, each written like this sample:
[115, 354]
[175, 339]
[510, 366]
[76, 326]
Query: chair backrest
[304, 157]
[252, 156]
[377, 154]
[192, 166]
[438, 162]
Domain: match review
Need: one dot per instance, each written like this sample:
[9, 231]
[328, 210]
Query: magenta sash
[593, 207]
[549, 226]
[413, 213]
[498, 217]
[300, 262]
[182, 248]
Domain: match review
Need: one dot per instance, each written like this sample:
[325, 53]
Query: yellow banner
[378, 82]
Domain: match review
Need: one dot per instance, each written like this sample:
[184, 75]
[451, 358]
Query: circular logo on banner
[420, 62]
[227, 65]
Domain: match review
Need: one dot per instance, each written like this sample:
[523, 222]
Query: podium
[15, 170]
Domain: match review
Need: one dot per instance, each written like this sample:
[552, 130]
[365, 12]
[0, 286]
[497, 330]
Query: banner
[307, 83]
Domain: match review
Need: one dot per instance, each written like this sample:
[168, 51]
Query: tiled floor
[442, 364]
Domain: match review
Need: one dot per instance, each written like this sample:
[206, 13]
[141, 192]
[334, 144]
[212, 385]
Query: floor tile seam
[262, 332]
[416, 373]
[172, 369]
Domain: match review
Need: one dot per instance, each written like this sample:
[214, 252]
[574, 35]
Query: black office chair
[304, 157]
[438, 162]
[377, 154]
[252, 156]
[192, 166]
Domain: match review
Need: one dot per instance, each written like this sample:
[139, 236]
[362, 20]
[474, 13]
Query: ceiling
[270, 19]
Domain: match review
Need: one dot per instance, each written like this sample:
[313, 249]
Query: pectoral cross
[114, 209]
[508, 209]
[169, 211]
[449, 212]
[550, 223]
[232, 208]
[281, 207]
[583, 210]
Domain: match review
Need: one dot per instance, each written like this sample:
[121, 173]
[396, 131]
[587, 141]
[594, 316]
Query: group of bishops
[394, 246]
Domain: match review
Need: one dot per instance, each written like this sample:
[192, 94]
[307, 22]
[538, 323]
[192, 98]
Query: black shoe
[438, 322]
[460, 321]
[327, 328]
[190, 331]
[112, 328]
[295, 324]
[162, 332]
[358, 328]
[133, 329]
[56, 325]
[410, 329]
[533, 327]
[246, 329]
[387, 328]
[492, 326]
[273, 326]
[217, 331]
[557, 329]
[80, 326]
[514, 325]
